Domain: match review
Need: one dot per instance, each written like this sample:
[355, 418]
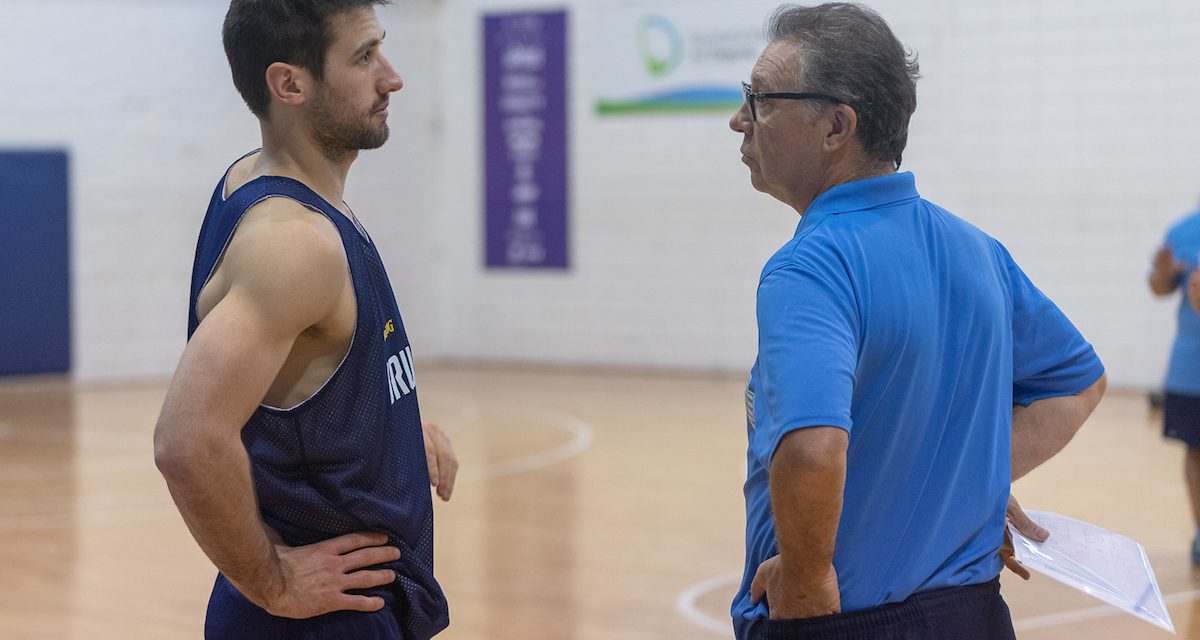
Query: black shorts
[232, 617]
[1181, 418]
[974, 612]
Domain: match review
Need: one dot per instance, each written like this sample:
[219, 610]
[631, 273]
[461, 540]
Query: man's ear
[842, 122]
[288, 84]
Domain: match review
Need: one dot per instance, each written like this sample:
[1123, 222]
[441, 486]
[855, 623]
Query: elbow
[1094, 393]
[167, 457]
[172, 454]
[189, 454]
[1086, 402]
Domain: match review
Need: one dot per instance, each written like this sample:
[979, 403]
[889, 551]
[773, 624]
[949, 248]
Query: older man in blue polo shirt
[907, 368]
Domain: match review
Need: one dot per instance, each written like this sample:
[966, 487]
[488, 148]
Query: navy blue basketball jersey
[351, 457]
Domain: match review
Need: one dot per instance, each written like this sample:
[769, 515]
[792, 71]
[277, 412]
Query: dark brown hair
[259, 33]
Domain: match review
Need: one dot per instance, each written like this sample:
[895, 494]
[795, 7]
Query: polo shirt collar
[860, 195]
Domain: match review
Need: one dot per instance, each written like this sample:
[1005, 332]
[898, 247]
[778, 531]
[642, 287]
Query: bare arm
[1193, 290]
[222, 376]
[1165, 277]
[808, 475]
[1040, 431]
[284, 275]
[1043, 428]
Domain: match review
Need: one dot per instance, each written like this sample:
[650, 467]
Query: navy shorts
[974, 612]
[232, 617]
[1181, 418]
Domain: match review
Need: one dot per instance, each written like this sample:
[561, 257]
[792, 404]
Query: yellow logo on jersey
[388, 329]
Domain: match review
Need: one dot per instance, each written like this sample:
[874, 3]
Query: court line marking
[685, 604]
[89, 517]
[581, 440]
[1093, 613]
[466, 416]
[52, 470]
[76, 438]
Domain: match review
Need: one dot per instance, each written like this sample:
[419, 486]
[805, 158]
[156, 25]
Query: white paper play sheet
[1098, 562]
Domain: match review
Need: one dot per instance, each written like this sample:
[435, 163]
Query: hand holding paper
[1023, 524]
[1096, 561]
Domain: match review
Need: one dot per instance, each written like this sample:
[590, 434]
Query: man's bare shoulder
[282, 229]
[286, 256]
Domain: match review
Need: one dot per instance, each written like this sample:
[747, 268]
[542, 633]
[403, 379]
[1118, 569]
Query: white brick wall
[140, 94]
[1063, 128]
[1067, 129]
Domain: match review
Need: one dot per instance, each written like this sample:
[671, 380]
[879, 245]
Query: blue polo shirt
[1183, 374]
[914, 331]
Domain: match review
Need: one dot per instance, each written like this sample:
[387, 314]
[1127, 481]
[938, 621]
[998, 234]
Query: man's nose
[740, 120]
[392, 81]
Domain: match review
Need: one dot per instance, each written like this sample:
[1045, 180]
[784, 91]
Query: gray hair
[850, 52]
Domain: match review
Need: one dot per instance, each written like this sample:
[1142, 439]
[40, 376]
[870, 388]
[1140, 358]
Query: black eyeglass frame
[751, 96]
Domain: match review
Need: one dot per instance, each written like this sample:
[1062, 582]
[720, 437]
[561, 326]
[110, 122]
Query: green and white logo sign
[660, 44]
[675, 56]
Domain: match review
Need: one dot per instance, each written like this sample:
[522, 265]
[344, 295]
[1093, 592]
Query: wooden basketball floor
[591, 506]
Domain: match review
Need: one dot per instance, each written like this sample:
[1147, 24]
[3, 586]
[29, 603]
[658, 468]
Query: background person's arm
[1164, 278]
[283, 278]
[1193, 290]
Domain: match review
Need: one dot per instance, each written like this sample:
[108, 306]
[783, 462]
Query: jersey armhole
[349, 266]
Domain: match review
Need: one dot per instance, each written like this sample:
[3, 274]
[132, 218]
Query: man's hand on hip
[312, 580]
[792, 598]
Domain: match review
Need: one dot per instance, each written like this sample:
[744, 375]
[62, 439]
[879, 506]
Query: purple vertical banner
[525, 132]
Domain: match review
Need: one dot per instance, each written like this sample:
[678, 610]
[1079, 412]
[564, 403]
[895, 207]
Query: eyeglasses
[753, 96]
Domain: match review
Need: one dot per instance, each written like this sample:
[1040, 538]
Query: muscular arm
[808, 474]
[1043, 428]
[224, 373]
[283, 275]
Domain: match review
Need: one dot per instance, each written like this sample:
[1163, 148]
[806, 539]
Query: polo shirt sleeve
[1173, 236]
[1050, 356]
[808, 339]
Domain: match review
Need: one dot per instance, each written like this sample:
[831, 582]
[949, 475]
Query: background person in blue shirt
[907, 368]
[1173, 263]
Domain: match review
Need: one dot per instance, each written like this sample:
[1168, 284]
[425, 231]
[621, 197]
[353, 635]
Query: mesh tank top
[352, 456]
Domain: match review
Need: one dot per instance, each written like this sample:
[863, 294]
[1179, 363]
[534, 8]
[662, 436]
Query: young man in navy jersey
[907, 368]
[290, 437]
